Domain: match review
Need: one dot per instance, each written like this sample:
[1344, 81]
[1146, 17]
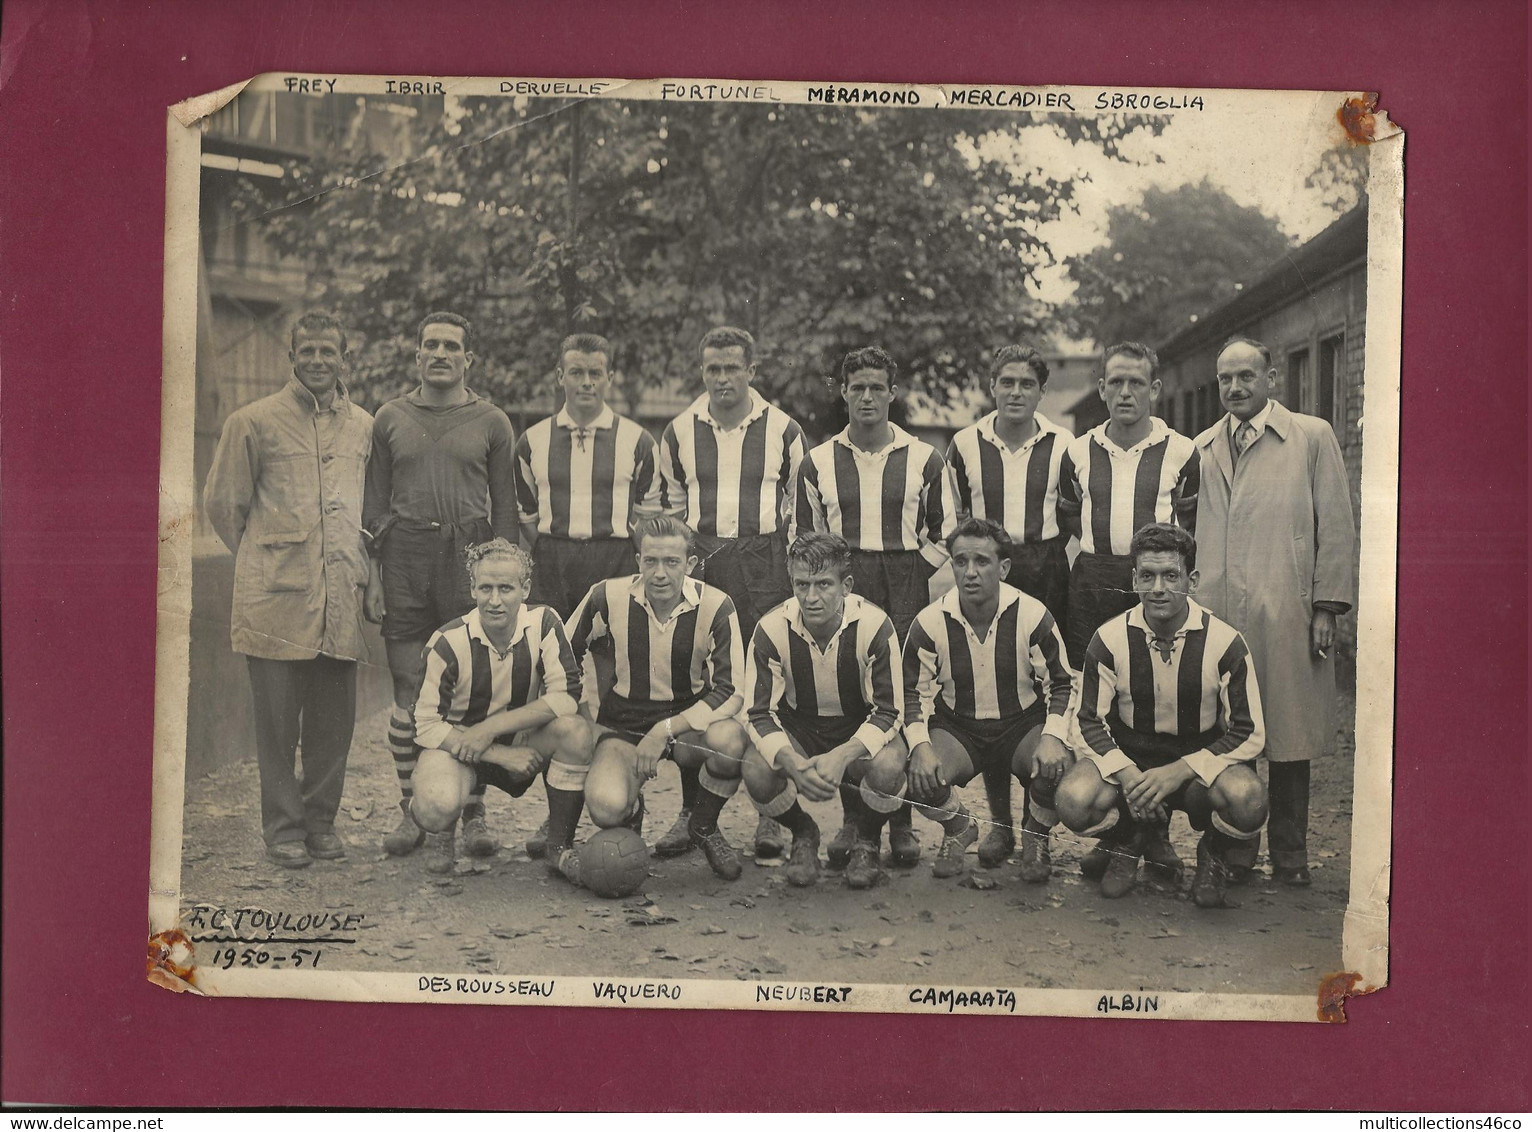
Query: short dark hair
[1132, 350]
[981, 528]
[450, 319]
[723, 337]
[1245, 339]
[586, 344]
[869, 357]
[1152, 538]
[316, 322]
[1013, 353]
[662, 526]
[819, 551]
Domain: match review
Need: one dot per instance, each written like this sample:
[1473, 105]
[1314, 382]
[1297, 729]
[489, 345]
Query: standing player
[889, 496]
[678, 661]
[1121, 475]
[498, 705]
[986, 690]
[1006, 468]
[442, 477]
[727, 465]
[825, 705]
[584, 476]
[1171, 718]
[284, 493]
[1278, 538]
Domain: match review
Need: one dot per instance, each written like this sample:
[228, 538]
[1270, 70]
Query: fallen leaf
[743, 902]
[983, 884]
[712, 929]
[748, 935]
[360, 813]
[887, 941]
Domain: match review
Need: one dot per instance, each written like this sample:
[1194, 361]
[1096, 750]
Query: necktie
[1244, 437]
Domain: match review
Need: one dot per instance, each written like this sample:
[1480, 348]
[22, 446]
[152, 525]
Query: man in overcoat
[1276, 543]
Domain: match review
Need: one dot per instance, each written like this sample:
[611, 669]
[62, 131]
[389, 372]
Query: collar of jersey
[1158, 431]
[476, 628]
[605, 419]
[306, 398]
[758, 405]
[1196, 619]
[952, 604]
[900, 440]
[986, 427]
[849, 616]
[691, 596]
[414, 398]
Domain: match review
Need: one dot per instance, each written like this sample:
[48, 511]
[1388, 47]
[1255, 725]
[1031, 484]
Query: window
[1332, 363]
[1297, 378]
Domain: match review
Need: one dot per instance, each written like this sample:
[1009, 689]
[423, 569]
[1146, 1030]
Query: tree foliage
[818, 229]
[1174, 254]
[1340, 175]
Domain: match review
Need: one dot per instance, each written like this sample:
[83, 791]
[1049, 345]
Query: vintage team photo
[841, 547]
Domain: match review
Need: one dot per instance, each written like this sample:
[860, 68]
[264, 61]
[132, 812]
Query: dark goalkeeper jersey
[449, 466]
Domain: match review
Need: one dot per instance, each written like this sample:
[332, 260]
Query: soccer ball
[614, 862]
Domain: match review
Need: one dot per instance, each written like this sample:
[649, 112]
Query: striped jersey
[696, 650]
[735, 482]
[899, 498]
[585, 481]
[858, 674]
[1017, 489]
[468, 680]
[1020, 662]
[1206, 683]
[1112, 492]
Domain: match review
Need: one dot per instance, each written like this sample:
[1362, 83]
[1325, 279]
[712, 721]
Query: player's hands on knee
[1155, 786]
[805, 775]
[1050, 760]
[472, 742]
[833, 763]
[926, 776]
[651, 749]
[523, 762]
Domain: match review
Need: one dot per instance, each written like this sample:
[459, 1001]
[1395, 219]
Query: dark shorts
[896, 581]
[425, 577]
[1100, 587]
[564, 569]
[751, 570]
[1041, 569]
[989, 742]
[629, 720]
[1150, 751]
[817, 734]
[501, 779]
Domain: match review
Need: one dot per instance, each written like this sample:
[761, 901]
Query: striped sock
[401, 744]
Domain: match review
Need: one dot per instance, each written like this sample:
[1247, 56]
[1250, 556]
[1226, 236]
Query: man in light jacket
[285, 495]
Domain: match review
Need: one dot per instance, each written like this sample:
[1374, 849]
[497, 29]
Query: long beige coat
[1275, 535]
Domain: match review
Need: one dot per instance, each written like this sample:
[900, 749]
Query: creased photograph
[737, 544]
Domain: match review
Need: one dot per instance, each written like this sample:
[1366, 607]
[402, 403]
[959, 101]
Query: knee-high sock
[691, 777]
[566, 798]
[950, 815]
[997, 790]
[873, 809]
[712, 793]
[401, 745]
[784, 808]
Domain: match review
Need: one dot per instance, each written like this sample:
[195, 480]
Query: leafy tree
[1174, 254]
[819, 229]
[1340, 176]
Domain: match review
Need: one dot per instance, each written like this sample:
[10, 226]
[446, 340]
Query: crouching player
[1170, 715]
[986, 688]
[499, 706]
[826, 701]
[678, 660]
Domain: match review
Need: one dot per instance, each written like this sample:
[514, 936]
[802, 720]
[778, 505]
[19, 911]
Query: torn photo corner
[319, 472]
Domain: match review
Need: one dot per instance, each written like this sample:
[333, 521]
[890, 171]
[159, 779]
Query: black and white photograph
[738, 544]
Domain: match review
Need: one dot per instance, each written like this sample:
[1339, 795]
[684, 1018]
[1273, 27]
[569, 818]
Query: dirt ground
[511, 918]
